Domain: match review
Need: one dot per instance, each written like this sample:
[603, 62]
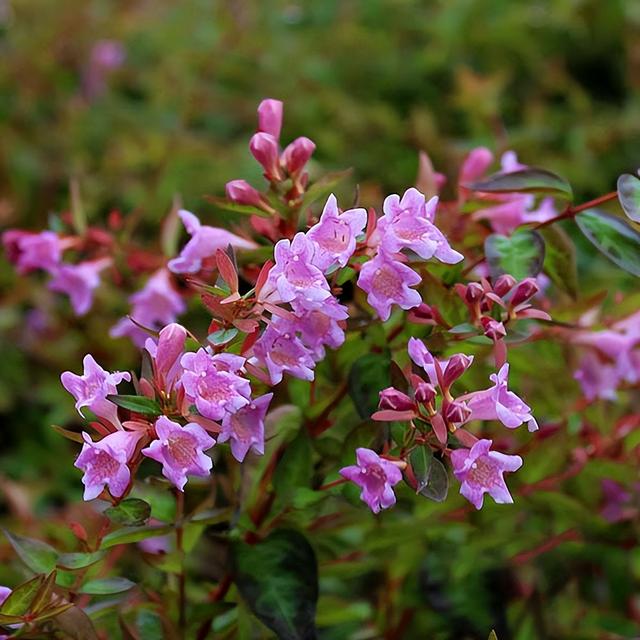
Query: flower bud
[297, 154]
[241, 192]
[270, 117]
[493, 329]
[456, 366]
[474, 292]
[422, 314]
[264, 148]
[395, 400]
[524, 291]
[475, 164]
[425, 393]
[457, 412]
[504, 284]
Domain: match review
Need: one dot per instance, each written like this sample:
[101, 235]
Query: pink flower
[387, 282]
[270, 117]
[294, 276]
[204, 243]
[265, 149]
[498, 403]
[475, 165]
[407, 223]
[481, 471]
[245, 429]
[105, 463]
[78, 281]
[29, 251]
[597, 379]
[319, 327]
[335, 234]
[166, 355]
[281, 351]
[5, 592]
[419, 353]
[180, 451]
[450, 369]
[92, 388]
[296, 155]
[376, 477]
[242, 192]
[214, 388]
[154, 306]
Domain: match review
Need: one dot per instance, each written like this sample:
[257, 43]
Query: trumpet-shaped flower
[375, 476]
[335, 234]
[79, 281]
[31, 251]
[245, 428]
[166, 354]
[180, 450]
[481, 470]
[105, 463]
[319, 327]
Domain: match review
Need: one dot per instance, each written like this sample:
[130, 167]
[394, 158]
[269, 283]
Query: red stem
[571, 212]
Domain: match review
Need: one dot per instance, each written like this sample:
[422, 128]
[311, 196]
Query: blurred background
[141, 100]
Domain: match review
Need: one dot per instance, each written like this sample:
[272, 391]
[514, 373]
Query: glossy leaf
[37, 555]
[278, 578]
[324, 186]
[19, 600]
[294, 468]
[560, 259]
[421, 459]
[529, 180]
[127, 535]
[74, 561]
[613, 237]
[437, 486]
[520, 255]
[222, 336]
[368, 376]
[130, 512]
[106, 586]
[70, 435]
[138, 404]
[244, 209]
[629, 195]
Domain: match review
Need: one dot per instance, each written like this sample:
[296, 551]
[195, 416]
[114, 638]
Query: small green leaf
[126, 535]
[222, 336]
[324, 186]
[465, 327]
[106, 586]
[437, 486]
[37, 555]
[629, 195]
[529, 180]
[520, 255]
[278, 578]
[421, 459]
[345, 275]
[70, 435]
[613, 237]
[244, 209]
[130, 512]
[138, 404]
[19, 600]
[560, 259]
[74, 561]
[369, 375]
[211, 516]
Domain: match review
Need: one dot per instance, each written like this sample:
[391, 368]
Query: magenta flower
[498, 403]
[214, 390]
[166, 354]
[597, 379]
[319, 327]
[481, 471]
[79, 281]
[387, 282]
[419, 353]
[245, 428]
[266, 150]
[335, 234]
[281, 351]
[407, 223]
[105, 463]
[294, 276]
[242, 192]
[296, 155]
[29, 251]
[204, 243]
[5, 592]
[475, 165]
[92, 388]
[376, 477]
[180, 451]
[270, 117]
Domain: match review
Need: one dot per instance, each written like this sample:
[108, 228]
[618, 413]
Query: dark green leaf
[244, 209]
[530, 180]
[465, 327]
[278, 578]
[520, 255]
[130, 512]
[106, 586]
[127, 535]
[37, 555]
[369, 375]
[324, 186]
[19, 601]
[294, 468]
[421, 460]
[138, 404]
[629, 195]
[223, 336]
[74, 561]
[437, 485]
[613, 237]
[560, 259]
[70, 435]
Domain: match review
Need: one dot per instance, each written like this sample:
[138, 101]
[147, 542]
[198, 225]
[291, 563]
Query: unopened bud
[493, 329]
[504, 284]
[270, 117]
[474, 292]
[241, 192]
[456, 366]
[457, 412]
[524, 291]
[425, 393]
[395, 400]
[264, 148]
[297, 154]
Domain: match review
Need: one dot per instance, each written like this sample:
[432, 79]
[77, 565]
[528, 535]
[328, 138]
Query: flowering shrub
[347, 353]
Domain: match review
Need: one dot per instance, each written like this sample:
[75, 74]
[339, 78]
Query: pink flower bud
[474, 293]
[425, 393]
[270, 117]
[241, 192]
[504, 284]
[524, 291]
[423, 314]
[395, 400]
[475, 164]
[456, 366]
[493, 329]
[457, 412]
[264, 148]
[297, 154]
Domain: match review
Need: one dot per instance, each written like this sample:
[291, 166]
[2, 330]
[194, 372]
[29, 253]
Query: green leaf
[127, 535]
[421, 459]
[437, 484]
[530, 180]
[294, 468]
[464, 327]
[106, 586]
[244, 209]
[324, 186]
[138, 404]
[222, 336]
[613, 237]
[19, 601]
[37, 555]
[520, 255]
[130, 512]
[345, 275]
[560, 259]
[278, 578]
[74, 624]
[70, 435]
[492, 636]
[74, 561]
[629, 195]
[369, 375]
